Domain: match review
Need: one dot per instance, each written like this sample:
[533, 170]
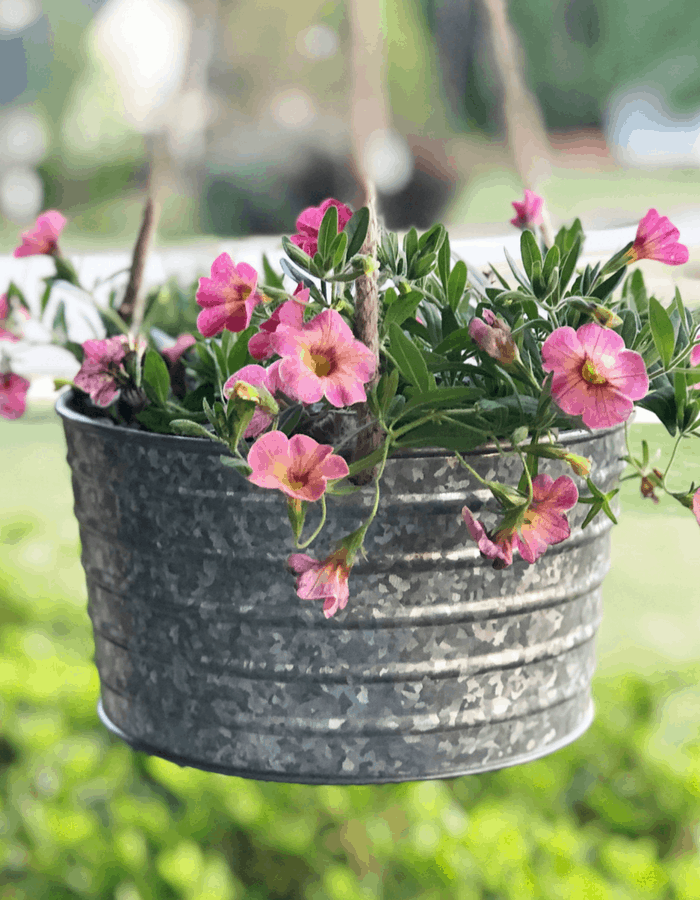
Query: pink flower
[43, 237]
[326, 580]
[310, 220]
[299, 467]
[594, 375]
[696, 505]
[657, 239]
[228, 298]
[238, 385]
[101, 374]
[323, 358]
[543, 524]
[4, 307]
[529, 211]
[183, 343]
[13, 395]
[695, 360]
[493, 336]
[289, 313]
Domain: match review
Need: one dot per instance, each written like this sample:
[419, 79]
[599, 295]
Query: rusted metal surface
[439, 666]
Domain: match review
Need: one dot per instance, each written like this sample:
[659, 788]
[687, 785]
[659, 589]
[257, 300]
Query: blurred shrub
[612, 817]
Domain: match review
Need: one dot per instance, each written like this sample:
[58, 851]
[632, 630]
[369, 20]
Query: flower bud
[493, 336]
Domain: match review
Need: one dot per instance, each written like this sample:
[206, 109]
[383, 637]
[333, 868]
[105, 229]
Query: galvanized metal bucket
[439, 666]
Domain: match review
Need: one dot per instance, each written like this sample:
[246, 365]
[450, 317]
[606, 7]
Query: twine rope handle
[369, 113]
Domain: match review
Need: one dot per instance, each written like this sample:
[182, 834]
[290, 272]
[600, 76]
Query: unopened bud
[493, 336]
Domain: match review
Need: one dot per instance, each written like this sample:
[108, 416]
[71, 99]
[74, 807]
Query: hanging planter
[448, 449]
[440, 666]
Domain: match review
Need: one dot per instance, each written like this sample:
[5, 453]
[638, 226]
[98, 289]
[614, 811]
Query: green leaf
[421, 266]
[439, 397]
[605, 289]
[157, 420]
[444, 262]
[432, 240]
[456, 284]
[569, 264]
[409, 359]
[661, 330]
[410, 245]
[456, 340]
[529, 251]
[156, 378]
[637, 288]
[680, 389]
[297, 255]
[356, 230]
[386, 390]
[238, 355]
[452, 435]
[550, 263]
[367, 462]
[188, 428]
[338, 249]
[519, 277]
[327, 232]
[271, 277]
[234, 463]
[402, 308]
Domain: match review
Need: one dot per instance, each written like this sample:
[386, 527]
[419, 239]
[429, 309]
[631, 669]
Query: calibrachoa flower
[289, 313]
[326, 580]
[323, 358]
[696, 505]
[529, 211]
[181, 345]
[310, 220]
[13, 395]
[695, 360]
[101, 375]
[493, 337]
[228, 298]
[657, 239]
[595, 377]
[240, 384]
[543, 523]
[297, 466]
[43, 237]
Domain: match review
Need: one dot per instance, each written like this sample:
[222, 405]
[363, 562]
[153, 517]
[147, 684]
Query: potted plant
[445, 443]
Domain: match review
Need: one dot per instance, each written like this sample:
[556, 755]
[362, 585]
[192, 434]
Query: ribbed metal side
[439, 666]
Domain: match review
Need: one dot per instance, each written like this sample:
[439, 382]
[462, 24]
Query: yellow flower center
[590, 374]
[321, 364]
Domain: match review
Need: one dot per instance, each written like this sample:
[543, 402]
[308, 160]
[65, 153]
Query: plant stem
[302, 546]
[132, 306]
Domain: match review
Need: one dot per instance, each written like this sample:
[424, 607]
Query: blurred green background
[615, 815]
[248, 111]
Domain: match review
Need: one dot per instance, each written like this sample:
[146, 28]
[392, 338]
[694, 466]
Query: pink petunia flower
[43, 237]
[323, 358]
[297, 466]
[291, 313]
[594, 375]
[326, 580]
[239, 384]
[310, 220]
[228, 298]
[13, 395]
[543, 523]
[493, 336]
[102, 375]
[529, 211]
[657, 239]
[695, 360]
[696, 505]
[181, 345]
